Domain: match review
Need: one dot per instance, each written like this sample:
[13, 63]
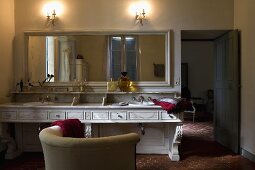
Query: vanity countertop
[78, 106]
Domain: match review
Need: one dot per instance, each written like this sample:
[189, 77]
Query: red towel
[70, 127]
[174, 105]
[165, 105]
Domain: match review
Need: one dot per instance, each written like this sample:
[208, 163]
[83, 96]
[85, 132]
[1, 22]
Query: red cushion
[70, 127]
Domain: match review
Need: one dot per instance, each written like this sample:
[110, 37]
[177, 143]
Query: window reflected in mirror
[97, 58]
[123, 57]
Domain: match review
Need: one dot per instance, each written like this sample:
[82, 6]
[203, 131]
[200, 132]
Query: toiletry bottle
[21, 85]
[124, 82]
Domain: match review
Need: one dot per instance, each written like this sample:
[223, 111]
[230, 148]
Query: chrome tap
[141, 99]
[138, 99]
[45, 99]
[47, 79]
[82, 86]
[75, 101]
[134, 99]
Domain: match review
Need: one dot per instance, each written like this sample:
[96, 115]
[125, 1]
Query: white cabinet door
[57, 115]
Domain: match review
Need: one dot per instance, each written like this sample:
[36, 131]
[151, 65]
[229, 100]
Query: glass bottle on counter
[124, 82]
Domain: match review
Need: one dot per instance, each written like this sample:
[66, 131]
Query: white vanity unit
[159, 131]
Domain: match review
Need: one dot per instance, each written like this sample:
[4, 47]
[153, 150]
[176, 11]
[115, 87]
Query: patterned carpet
[198, 151]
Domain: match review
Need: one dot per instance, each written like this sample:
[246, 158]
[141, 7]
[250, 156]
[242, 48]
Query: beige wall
[94, 50]
[152, 51]
[199, 56]
[113, 15]
[244, 17]
[36, 58]
[6, 42]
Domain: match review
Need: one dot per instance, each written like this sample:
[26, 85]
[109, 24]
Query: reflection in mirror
[97, 58]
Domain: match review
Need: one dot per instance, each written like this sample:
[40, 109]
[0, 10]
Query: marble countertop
[78, 106]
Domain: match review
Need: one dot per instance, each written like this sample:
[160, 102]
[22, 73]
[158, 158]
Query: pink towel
[70, 127]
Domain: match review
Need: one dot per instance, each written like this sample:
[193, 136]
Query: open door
[226, 91]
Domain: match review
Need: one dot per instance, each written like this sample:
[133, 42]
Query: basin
[141, 104]
[38, 103]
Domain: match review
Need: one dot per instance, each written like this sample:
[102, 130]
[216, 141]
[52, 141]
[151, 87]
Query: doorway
[197, 68]
[210, 73]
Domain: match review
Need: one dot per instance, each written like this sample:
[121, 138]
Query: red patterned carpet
[198, 151]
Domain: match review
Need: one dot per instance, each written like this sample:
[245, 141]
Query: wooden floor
[198, 151]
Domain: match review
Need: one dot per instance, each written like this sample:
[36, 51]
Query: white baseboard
[247, 155]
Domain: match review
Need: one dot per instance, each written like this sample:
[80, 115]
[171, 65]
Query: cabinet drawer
[118, 115]
[100, 115]
[8, 115]
[57, 115]
[166, 116]
[143, 115]
[32, 115]
[75, 115]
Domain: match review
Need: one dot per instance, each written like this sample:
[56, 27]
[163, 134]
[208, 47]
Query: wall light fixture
[51, 10]
[140, 16]
[51, 17]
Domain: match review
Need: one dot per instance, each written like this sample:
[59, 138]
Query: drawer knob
[58, 116]
[120, 116]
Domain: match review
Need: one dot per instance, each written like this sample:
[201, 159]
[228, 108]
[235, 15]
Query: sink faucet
[45, 99]
[82, 86]
[138, 99]
[141, 99]
[47, 79]
[75, 101]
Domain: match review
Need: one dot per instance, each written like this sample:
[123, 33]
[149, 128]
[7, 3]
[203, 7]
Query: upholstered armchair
[104, 153]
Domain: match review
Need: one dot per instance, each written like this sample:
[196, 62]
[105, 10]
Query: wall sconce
[51, 17]
[140, 16]
[51, 10]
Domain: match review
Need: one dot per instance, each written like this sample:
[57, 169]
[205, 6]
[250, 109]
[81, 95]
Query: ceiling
[201, 35]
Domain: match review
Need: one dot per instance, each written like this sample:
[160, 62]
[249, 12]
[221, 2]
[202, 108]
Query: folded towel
[168, 106]
[174, 104]
[70, 127]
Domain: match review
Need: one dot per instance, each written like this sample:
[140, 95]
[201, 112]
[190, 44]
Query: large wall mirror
[98, 57]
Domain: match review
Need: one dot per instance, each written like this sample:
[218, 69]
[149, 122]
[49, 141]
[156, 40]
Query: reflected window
[123, 56]
[50, 56]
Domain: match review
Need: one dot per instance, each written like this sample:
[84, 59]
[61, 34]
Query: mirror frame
[100, 85]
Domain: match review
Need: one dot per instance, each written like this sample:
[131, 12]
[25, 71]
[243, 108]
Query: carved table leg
[175, 136]
[12, 149]
[87, 130]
